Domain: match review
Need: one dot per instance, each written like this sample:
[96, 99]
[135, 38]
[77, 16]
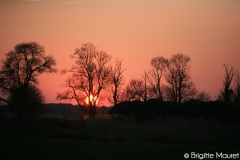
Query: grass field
[48, 138]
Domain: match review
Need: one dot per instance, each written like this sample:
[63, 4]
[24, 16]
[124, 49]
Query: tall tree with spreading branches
[117, 82]
[158, 66]
[90, 75]
[19, 75]
[180, 85]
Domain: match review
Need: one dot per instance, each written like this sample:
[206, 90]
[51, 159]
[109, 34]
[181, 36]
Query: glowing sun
[91, 100]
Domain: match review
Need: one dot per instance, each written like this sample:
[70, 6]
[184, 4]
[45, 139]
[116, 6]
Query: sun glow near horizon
[206, 31]
[91, 100]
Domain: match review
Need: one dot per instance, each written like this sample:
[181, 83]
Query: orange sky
[132, 30]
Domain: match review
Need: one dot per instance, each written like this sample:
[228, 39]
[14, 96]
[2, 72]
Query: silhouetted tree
[158, 65]
[19, 72]
[34, 100]
[180, 85]
[117, 82]
[91, 73]
[227, 91]
[146, 87]
[237, 86]
[203, 96]
[135, 90]
[72, 92]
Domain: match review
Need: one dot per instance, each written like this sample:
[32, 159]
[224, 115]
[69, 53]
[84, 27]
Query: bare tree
[117, 82]
[19, 72]
[71, 92]
[91, 73]
[227, 91]
[158, 65]
[135, 90]
[146, 87]
[237, 86]
[178, 78]
[203, 96]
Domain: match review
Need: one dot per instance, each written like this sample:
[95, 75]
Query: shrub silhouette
[33, 101]
[151, 109]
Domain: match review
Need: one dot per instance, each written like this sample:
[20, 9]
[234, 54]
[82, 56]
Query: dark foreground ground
[49, 138]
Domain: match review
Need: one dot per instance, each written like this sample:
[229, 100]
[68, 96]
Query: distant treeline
[152, 109]
[93, 77]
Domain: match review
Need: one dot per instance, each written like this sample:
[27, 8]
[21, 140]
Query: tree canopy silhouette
[227, 91]
[135, 90]
[117, 81]
[230, 93]
[176, 85]
[237, 87]
[19, 72]
[180, 85]
[91, 74]
[158, 65]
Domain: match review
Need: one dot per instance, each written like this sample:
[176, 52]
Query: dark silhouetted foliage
[227, 92]
[153, 109]
[33, 101]
[18, 76]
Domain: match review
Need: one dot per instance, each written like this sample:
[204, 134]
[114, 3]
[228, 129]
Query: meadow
[115, 138]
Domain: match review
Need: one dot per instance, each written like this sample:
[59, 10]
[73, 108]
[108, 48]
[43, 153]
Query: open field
[48, 138]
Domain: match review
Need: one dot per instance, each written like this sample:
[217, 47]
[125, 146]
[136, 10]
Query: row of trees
[93, 74]
[168, 79]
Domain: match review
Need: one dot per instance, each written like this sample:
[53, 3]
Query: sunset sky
[135, 31]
